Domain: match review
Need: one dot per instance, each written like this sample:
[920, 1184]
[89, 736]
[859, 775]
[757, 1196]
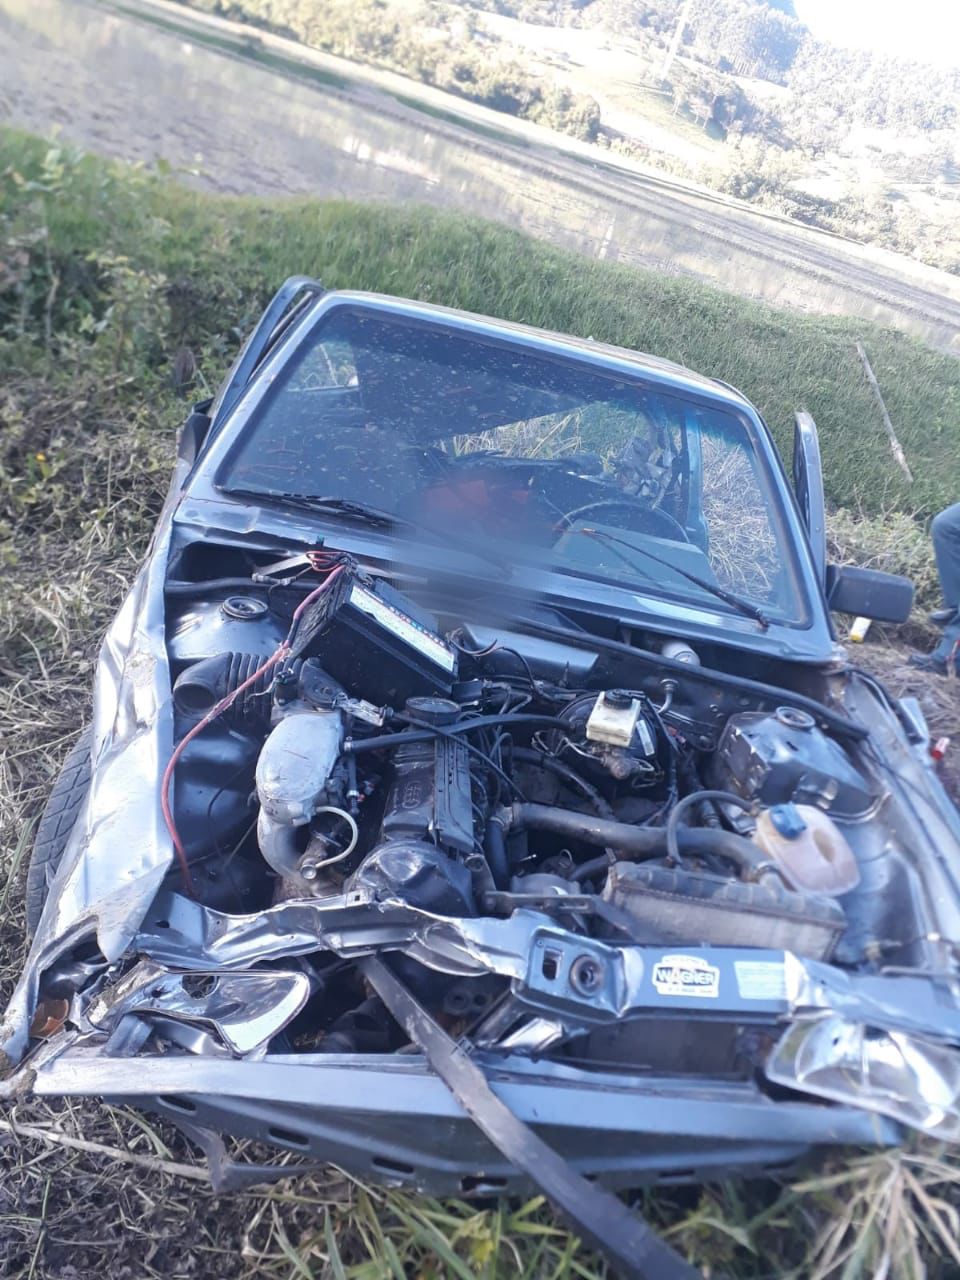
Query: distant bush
[766, 176]
[758, 173]
[573, 113]
[431, 42]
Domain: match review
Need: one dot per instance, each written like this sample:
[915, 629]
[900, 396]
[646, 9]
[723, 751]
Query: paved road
[120, 85]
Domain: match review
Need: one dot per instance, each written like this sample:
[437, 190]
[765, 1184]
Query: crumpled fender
[119, 850]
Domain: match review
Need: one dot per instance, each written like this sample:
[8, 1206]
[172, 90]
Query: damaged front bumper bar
[393, 1120]
[881, 1044]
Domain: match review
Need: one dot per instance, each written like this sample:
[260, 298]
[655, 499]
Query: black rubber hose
[688, 801]
[212, 585]
[355, 745]
[569, 776]
[747, 857]
[490, 722]
[379, 740]
[635, 842]
[495, 849]
[587, 870]
[423, 732]
[642, 841]
[204, 683]
[173, 588]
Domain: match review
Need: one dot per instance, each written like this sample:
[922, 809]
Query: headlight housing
[906, 1076]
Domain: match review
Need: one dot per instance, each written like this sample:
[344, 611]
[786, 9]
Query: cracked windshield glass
[536, 458]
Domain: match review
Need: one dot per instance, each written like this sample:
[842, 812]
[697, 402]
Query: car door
[808, 486]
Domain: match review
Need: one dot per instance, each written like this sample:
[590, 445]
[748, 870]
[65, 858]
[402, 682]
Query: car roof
[622, 358]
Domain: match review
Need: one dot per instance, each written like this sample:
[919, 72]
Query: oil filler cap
[437, 711]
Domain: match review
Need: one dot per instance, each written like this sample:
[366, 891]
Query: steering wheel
[660, 523]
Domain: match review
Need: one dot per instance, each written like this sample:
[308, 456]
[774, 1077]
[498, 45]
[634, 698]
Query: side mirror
[868, 593]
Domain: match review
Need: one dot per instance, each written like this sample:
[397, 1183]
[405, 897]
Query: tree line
[435, 43]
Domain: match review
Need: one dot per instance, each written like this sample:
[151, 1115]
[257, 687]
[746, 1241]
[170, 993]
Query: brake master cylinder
[615, 718]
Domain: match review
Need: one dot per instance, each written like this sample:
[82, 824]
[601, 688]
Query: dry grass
[92, 1191]
[743, 549]
[897, 1209]
[551, 436]
[893, 541]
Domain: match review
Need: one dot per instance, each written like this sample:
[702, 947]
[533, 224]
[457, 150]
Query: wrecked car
[474, 772]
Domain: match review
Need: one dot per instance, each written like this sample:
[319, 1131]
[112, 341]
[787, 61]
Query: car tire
[56, 823]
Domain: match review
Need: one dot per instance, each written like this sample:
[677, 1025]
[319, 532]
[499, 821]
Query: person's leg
[943, 660]
[945, 532]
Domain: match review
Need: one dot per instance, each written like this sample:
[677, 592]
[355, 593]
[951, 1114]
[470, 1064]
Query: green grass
[104, 274]
[223, 256]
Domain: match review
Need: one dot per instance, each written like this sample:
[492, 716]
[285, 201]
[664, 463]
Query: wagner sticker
[686, 976]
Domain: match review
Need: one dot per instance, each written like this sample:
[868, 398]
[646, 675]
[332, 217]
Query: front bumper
[394, 1121]
[391, 1117]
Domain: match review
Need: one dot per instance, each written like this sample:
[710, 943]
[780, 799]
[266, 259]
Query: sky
[925, 29]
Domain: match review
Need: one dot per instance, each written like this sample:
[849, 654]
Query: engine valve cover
[429, 796]
[420, 874]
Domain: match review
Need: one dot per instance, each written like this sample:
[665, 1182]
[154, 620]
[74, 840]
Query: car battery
[369, 636]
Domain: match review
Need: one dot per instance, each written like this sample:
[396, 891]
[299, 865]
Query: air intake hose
[204, 683]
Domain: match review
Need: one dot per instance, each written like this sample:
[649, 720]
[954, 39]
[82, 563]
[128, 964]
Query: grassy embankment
[108, 277]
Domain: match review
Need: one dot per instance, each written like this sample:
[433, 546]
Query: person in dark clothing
[945, 532]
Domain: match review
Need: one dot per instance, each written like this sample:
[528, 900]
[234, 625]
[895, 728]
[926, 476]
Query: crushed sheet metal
[119, 849]
[592, 981]
[246, 1010]
[908, 1002]
[909, 1078]
[594, 1213]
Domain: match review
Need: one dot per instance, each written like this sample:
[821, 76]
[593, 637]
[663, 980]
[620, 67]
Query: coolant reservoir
[808, 848]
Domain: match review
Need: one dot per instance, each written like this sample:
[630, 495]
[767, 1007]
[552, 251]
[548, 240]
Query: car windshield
[546, 457]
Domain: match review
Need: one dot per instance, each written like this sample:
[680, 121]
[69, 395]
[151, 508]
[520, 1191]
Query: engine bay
[337, 741]
[476, 796]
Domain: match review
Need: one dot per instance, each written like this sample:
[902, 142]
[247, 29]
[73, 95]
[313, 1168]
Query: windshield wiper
[366, 513]
[729, 597]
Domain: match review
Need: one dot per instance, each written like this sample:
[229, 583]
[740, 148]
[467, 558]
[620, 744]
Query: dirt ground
[939, 698]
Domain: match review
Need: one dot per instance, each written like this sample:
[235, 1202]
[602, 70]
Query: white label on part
[686, 976]
[402, 627]
[761, 979]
